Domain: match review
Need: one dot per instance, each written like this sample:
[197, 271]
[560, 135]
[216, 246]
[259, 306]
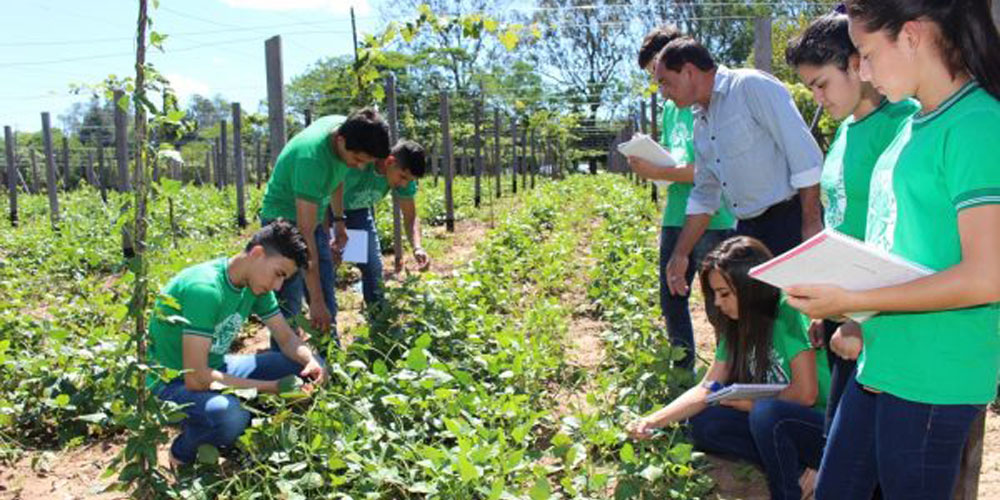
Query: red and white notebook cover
[833, 258]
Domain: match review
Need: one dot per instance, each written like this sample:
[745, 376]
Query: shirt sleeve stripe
[976, 197]
[199, 333]
[270, 314]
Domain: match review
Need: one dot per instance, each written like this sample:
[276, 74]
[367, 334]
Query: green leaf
[61, 400]
[423, 342]
[627, 454]
[416, 360]
[466, 470]
[541, 490]
[208, 454]
[379, 368]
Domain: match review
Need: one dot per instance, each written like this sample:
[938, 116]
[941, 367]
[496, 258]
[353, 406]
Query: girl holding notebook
[930, 360]
[828, 63]
[761, 340]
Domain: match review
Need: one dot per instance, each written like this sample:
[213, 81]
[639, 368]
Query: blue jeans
[371, 273]
[779, 228]
[215, 418]
[842, 372]
[782, 437]
[293, 290]
[912, 450]
[675, 307]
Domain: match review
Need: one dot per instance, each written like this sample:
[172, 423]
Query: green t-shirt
[677, 137]
[790, 337]
[365, 187]
[210, 305]
[307, 169]
[847, 171]
[939, 164]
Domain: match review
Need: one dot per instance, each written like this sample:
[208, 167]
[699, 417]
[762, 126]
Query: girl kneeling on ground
[783, 435]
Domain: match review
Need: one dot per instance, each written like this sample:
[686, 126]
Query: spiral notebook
[745, 391]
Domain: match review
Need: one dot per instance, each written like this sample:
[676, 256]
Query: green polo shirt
[847, 170]
[365, 187]
[940, 164]
[307, 169]
[201, 300]
[677, 137]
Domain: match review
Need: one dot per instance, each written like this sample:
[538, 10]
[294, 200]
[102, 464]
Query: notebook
[833, 258]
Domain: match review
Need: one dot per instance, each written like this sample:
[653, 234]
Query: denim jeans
[912, 450]
[782, 437]
[842, 372]
[215, 418]
[371, 273]
[675, 307]
[293, 290]
[779, 228]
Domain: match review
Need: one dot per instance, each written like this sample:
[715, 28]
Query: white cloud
[185, 86]
[361, 7]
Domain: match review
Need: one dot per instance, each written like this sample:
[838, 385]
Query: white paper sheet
[645, 147]
[357, 247]
[745, 391]
[833, 258]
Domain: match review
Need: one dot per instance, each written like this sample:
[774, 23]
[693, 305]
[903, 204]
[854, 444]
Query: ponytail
[969, 39]
[975, 38]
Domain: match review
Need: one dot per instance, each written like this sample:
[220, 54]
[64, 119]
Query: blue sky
[213, 46]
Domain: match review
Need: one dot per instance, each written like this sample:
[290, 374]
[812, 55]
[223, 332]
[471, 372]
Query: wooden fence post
[762, 44]
[397, 212]
[497, 161]
[534, 158]
[275, 96]
[121, 143]
[103, 178]
[8, 139]
[513, 154]
[477, 118]
[224, 173]
[64, 160]
[257, 165]
[448, 163]
[241, 207]
[50, 171]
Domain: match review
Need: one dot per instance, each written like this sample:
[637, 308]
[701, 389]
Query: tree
[324, 88]
[583, 47]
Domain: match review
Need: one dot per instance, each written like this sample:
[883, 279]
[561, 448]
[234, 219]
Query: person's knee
[764, 416]
[228, 418]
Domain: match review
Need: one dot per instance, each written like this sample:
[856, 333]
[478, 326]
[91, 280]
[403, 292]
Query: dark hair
[283, 238]
[365, 131]
[825, 41]
[749, 338]
[410, 156]
[969, 39]
[654, 41]
[685, 50]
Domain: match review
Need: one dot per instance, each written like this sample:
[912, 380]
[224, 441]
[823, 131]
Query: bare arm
[812, 211]
[694, 227]
[293, 348]
[199, 377]
[411, 222]
[687, 405]
[646, 170]
[305, 213]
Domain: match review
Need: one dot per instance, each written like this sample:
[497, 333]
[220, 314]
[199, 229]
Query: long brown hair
[969, 39]
[749, 337]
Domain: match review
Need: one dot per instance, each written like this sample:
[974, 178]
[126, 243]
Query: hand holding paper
[644, 147]
[820, 273]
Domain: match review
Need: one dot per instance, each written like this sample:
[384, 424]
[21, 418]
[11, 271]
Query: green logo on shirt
[225, 332]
